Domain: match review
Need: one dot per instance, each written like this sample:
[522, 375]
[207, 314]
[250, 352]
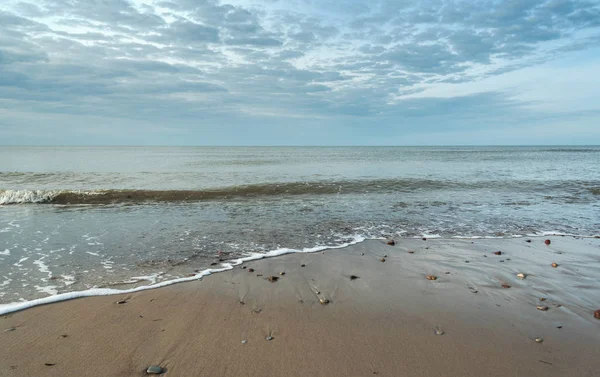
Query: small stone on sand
[382, 259]
[324, 301]
[353, 277]
[411, 252]
[554, 265]
[529, 241]
[542, 299]
[391, 242]
[539, 340]
[505, 286]
[431, 277]
[122, 302]
[542, 308]
[272, 279]
[547, 242]
[497, 253]
[439, 332]
[521, 275]
[282, 273]
[302, 265]
[269, 338]
[244, 341]
[597, 314]
[424, 239]
[251, 270]
[154, 370]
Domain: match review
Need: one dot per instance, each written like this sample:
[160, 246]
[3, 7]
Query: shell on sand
[521, 275]
[554, 265]
[324, 301]
[542, 308]
[431, 277]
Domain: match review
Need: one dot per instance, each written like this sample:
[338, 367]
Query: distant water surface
[73, 218]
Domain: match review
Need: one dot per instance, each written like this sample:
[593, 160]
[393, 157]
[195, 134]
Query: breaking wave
[579, 189]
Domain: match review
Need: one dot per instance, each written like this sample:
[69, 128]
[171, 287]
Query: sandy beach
[364, 310]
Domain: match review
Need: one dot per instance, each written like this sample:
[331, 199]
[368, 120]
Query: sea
[100, 219]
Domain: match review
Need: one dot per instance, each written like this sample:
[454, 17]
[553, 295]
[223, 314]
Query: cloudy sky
[299, 72]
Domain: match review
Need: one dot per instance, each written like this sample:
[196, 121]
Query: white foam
[35, 196]
[42, 267]
[5, 282]
[426, 235]
[18, 264]
[9, 308]
[26, 196]
[49, 289]
[5, 252]
[68, 280]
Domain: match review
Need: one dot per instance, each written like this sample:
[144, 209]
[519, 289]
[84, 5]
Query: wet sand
[388, 321]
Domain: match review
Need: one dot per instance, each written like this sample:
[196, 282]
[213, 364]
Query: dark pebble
[353, 277]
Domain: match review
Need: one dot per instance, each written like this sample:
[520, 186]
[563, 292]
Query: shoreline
[389, 320]
[227, 265]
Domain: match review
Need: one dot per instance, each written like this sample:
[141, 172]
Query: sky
[299, 72]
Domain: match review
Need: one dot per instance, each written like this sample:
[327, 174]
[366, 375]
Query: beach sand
[389, 321]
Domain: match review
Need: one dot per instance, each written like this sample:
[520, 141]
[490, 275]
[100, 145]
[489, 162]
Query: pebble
[521, 275]
[411, 252]
[439, 332]
[244, 341]
[382, 259]
[542, 308]
[431, 277]
[282, 273]
[362, 253]
[10, 329]
[391, 242]
[539, 340]
[251, 270]
[154, 370]
[597, 314]
[505, 286]
[272, 279]
[529, 241]
[324, 301]
[547, 242]
[353, 277]
[122, 302]
[554, 265]
[269, 338]
[302, 265]
[424, 239]
[542, 298]
[497, 253]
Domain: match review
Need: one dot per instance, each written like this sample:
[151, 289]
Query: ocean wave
[364, 186]
[225, 266]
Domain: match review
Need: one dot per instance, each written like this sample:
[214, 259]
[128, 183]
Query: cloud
[411, 65]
